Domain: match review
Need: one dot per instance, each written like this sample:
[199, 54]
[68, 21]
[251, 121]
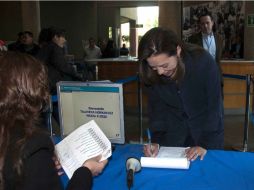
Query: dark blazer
[39, 169]
[189, 113]
[29, 49]
[58, 69]
[197, 39]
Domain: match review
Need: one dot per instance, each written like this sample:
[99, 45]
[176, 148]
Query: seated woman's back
[27, 152]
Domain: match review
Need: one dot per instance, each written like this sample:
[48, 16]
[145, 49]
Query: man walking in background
[209, 39]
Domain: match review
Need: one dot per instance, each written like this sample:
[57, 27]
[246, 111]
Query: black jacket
[39, 169]
[197, 39]
[58, 69]
[190, 113]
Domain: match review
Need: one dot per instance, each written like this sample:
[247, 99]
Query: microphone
[132, 165]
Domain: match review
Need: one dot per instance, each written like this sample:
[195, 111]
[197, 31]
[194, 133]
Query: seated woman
[27, 152]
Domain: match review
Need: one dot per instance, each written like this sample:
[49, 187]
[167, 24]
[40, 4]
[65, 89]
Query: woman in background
[52, 41]
[26, 152]
[110, 51]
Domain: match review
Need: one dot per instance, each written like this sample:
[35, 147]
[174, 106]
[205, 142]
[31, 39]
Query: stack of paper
[168, 157]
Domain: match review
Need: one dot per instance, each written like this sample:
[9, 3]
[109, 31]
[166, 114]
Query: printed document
[85, 142]
[168, 157]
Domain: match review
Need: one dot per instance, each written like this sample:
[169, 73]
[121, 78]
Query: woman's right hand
[95, 165]
[151, 150]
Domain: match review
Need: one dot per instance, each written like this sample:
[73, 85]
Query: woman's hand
[95, 165]
[58, 165]
[151, 150]
[193, 152]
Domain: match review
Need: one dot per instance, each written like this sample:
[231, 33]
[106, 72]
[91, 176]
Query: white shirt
[209, 44]
[92, 53]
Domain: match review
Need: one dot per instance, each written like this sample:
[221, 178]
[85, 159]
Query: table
[218, 171]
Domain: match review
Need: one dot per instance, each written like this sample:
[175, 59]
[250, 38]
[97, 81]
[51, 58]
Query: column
[133, 38]
[170, 15]
[30, 16]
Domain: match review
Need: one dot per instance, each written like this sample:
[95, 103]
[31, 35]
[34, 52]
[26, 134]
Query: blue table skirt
[218, 171]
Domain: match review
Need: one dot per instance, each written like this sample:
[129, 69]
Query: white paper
[168, 157]
[84, 143]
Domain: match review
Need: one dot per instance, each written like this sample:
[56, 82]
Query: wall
[30, 13]
[10, 19]
[108, 17]
[78, 18]
[249, 33]
[129, 13]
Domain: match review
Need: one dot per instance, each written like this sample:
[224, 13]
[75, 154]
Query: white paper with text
[168, 157]
[84, 143]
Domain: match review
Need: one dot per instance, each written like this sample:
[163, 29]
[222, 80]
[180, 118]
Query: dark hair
[110, 44]
[57, 32]
[47, 34]
[157, 41]
[205, 13]
[28, 33]
[24, 92]
[20, 34]
[91, 39]
[44, 36]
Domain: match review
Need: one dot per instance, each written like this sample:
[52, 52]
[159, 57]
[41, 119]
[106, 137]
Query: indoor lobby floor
[234, 131]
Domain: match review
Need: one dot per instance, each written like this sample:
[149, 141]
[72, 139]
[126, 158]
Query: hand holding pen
[150, 149]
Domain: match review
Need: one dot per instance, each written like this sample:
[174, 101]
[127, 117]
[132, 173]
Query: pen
[149, 139]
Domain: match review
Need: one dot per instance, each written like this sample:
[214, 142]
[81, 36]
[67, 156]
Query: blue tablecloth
[218, 171]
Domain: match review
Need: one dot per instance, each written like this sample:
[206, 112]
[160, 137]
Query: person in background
[209, 39]
[236, 49]
[52, 41]
[124, 51]
[92, 51]
[102, 43]
[26, 152]
[14, 46]
[2, 46]
[184, 95]
[27, 44]
[45, 37]
[110, 51]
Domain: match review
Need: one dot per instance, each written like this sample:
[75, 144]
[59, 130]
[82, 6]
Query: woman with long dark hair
[52, 41]
[26, 151]
[184, 95]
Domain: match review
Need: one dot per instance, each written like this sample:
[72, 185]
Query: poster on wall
[228, 19]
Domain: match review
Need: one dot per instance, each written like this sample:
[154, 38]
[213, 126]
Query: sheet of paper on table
[168, 157]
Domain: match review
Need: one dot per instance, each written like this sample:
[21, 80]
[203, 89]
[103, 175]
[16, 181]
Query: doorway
[135, 22]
